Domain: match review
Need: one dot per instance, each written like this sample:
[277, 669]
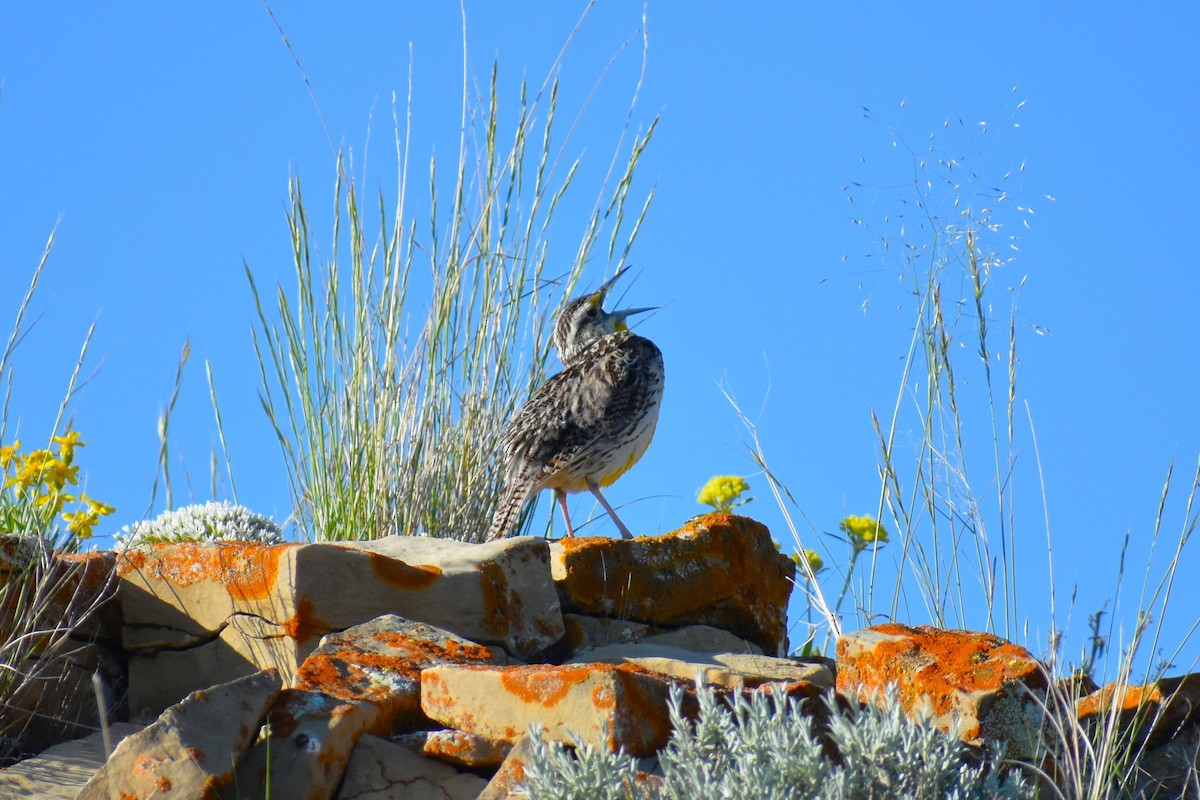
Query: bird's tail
[508, 512]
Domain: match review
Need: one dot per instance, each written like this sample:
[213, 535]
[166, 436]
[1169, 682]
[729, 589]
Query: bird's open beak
[616, 319]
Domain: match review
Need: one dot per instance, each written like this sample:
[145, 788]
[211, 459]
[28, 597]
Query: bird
[587, 425]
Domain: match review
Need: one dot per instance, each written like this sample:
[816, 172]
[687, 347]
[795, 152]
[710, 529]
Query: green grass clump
[388, 408]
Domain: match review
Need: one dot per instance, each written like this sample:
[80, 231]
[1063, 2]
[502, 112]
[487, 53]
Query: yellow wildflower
[9, 453]
[59, 473]
[722, 493]
[83, 522]
[815, 562]
[68, 441]
[863, 532]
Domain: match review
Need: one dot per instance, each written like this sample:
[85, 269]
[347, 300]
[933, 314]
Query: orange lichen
[499, 606]
[305, 623]
[941, 670]
[544, 685]
[422, 650]
[411, 577]
[163, 784]
[1131, 699]
[248, 570]
[721, 569]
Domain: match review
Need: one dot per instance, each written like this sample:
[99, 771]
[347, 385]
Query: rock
[306, 746]
[381, 770]
[1159, 710]
[62, 770]
[733, 670]
[500, 703]
[584, 633]
[986, 684]
[238, 606]
[703, 639]
[719, 569]
[74, 634]
[503, 784]
[456, 747]
[191, 749]
[380, 662]
[55, 700]
[1169, 770]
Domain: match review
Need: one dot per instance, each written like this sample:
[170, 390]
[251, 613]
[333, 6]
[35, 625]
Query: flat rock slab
[627, 704]
[584, 632]
[719, 569]
[190, 750]
[60, 772]
[984, 687]
[380, 662]
[381, 770]
[456, 747]
[733, 670]
[248, 601]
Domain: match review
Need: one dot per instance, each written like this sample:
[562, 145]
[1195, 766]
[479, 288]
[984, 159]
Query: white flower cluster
[766, 748]
[202, 522]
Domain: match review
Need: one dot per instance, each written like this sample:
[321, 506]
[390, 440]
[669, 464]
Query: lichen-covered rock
[253, 605]
[380, 662]
[456, 747]
[500, 703]
[190, 750]
[307, 744]
[984, 685]
[1159, 709]
[719, 569]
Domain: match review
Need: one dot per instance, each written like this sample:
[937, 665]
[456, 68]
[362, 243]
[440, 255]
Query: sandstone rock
[985, 684]
[456, 747]
[703, 639]
[306, 746]
[1159, 710]
[251, 605]
[380, 662]
[191, 749]
[62, 770]
[500, 703]
[54, 699]
[733, 670]
[503, 784]
[584, 632]
[74, 634]
[1170, 769]
[719, 569]
[159, 677]
[380, 770]
[75, 591]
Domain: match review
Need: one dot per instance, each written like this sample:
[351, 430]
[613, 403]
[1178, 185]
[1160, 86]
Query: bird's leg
[561, 497]
[612, 512]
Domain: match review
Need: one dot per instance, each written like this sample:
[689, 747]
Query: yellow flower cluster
[815, 562]
[35, 489]
[722, 493]
[863, 532]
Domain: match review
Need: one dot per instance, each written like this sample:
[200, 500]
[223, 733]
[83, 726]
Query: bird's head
[584, 321]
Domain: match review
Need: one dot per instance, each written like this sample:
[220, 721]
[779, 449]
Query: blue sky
[160, 140]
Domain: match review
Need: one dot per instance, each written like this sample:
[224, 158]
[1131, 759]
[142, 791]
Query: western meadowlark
[587, 425]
